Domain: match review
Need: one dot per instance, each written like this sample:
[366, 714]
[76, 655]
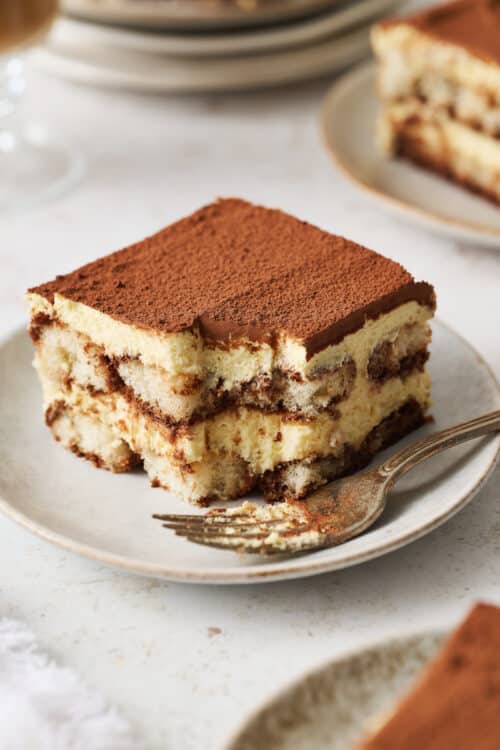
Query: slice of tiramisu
[239, 346]
[439, 80]
[456, 702]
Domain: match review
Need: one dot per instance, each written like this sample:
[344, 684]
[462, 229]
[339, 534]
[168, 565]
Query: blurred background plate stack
[207, 45]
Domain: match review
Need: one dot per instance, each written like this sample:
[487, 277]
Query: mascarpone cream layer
[409, 53]
[474, 153]
[188, 354]
[262, 439]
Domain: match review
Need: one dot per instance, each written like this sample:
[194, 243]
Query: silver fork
[333, 514]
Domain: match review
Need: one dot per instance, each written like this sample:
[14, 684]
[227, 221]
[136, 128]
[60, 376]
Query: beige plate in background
[348, 122]
[333, 707]
[140, 71]
[193, 14]
[107, 517]
[73, 33]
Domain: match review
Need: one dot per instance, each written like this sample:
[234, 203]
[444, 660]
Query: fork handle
[409, 457]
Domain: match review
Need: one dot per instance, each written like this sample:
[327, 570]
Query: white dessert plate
[335, 706]
[141, 71]
[348, 122]
[107, 517]
[194, 14]
[74, 33]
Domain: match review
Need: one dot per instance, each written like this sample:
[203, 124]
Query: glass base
[34, 167]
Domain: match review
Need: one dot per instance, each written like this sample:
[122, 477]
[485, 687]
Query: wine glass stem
[12, 88]
[34, 165]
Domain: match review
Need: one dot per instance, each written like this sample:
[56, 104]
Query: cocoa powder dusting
[456, 703]
[236, 271]
[473, 24]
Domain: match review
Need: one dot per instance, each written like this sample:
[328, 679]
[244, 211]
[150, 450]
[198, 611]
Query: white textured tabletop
[185, 663]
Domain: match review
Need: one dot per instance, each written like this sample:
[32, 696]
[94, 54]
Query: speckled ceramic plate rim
[315, 673]
[182, 75]
[296, 567]
[167, 14]
[481, 233]
[335, 21]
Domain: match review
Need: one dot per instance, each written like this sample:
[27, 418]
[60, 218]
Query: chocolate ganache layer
[471, 24]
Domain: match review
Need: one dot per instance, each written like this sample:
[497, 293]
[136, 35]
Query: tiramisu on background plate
[456, 703]
[439, 80]
[238, 346]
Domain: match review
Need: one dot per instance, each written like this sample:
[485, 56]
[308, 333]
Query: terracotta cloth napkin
[47, 707]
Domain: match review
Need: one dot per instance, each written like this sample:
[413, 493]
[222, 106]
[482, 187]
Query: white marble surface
[185, 663]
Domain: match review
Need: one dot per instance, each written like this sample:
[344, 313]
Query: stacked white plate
[207, 45]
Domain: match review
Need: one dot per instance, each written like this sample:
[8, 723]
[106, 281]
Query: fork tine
[248, 518]
[201, 525]
[200, 528]
[203, 521]
[186, 518]
[218, 545]
[220, 527]
[239, 546]
[238, 532]
[249, 532]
